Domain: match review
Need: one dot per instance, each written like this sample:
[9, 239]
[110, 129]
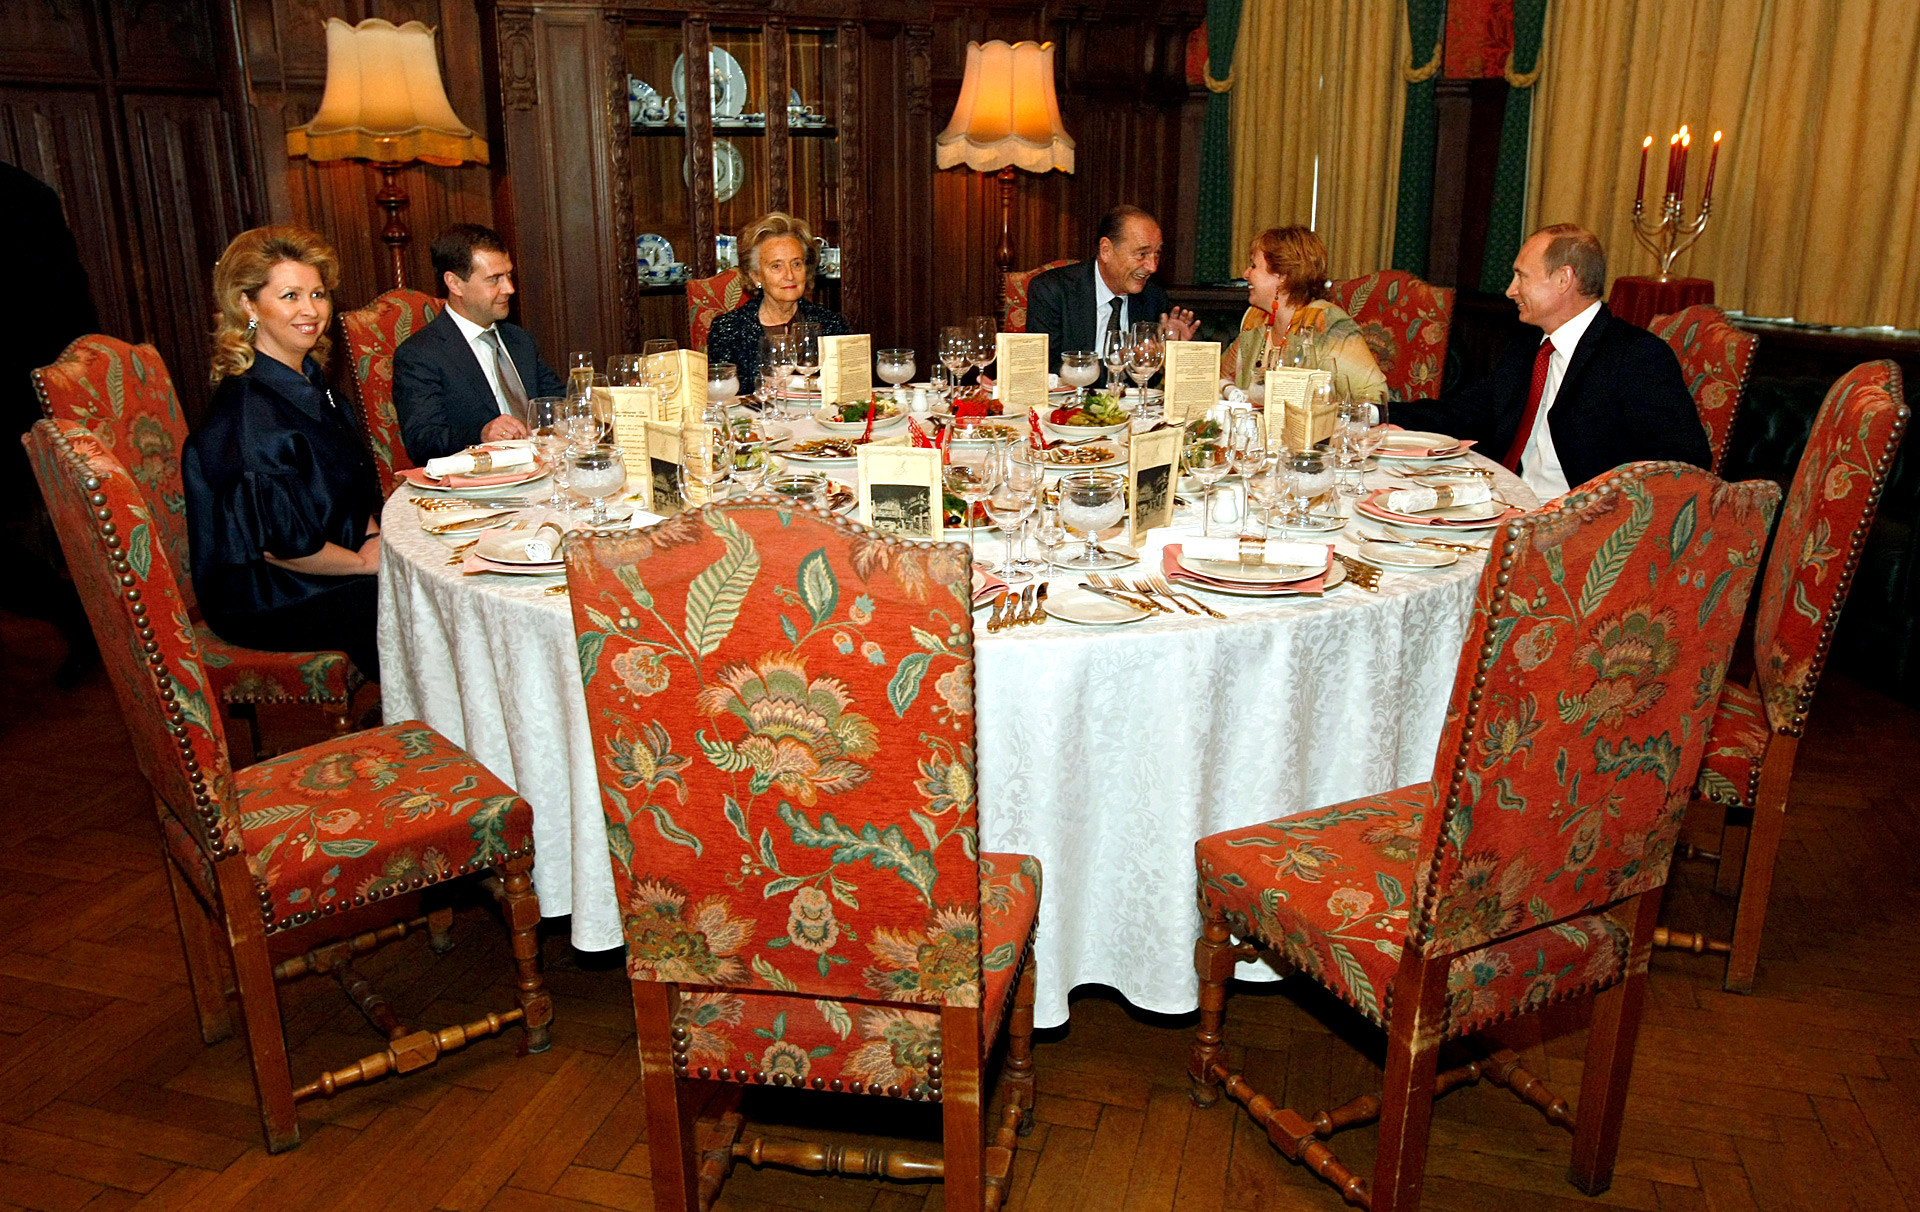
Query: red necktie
[1534, 393]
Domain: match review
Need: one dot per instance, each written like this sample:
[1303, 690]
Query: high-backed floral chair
[123, 395]
[1015, 287]
[710, 298]
[1715, 357]
[1405, 322]
[289, 843]
[1756, 730]
[373, 332]
[1528, 870]
[782, 714]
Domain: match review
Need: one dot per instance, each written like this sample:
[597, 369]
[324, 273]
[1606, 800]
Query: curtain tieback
[1529, 79]
[1414, 75]
[1215, 86]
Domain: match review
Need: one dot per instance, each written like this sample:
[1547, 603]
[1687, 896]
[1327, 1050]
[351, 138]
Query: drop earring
[253, 326]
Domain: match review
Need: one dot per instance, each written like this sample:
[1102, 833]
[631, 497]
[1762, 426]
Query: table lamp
[384, 103]
[1008, 117]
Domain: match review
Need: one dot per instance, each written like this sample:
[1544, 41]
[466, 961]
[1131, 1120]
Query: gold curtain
[1319, 80]
[1816, 206]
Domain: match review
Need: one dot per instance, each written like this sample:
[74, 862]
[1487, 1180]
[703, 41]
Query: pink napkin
[418, 477]
[1171, 567]
[1372, 508]
[985, 586]
[1422, 452]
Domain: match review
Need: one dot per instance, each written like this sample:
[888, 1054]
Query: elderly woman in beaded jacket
[778, 254]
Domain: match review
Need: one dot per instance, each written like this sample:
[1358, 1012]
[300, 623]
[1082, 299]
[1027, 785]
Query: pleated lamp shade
[384, 101]
[1008, 115]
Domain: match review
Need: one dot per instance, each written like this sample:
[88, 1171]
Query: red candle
[1640, 189]
[1713, 159]
[1686, 141]
[1673, 157]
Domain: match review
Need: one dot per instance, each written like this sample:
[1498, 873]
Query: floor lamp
[1008, 117]
[385, 104]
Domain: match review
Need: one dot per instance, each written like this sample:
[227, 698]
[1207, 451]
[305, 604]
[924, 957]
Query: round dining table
[1105, 751]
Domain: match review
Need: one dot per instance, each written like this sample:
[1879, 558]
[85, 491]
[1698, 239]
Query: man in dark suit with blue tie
[458, 380]
[1077, 305]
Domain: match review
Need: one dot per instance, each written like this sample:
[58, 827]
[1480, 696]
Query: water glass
[1048, 532]
[1079, 368]
[598, 473]
[706, 457]
[895, 367]
[1308, 475]
[750, 457]
[1145, 355]
[807, 486]
[1207, 454]
[970, 476]
[956, 351]
[803, 343]
[982, 330]
[1090, 502]
[723, 383]
[776, 367]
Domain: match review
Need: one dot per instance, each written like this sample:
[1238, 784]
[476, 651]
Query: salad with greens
[1098, 409]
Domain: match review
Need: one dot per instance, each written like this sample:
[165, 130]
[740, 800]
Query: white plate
[1393, 555]
[820, 460]
[1113, 457]
[729, 170]
[653, 251]
[728, 82]
[510, 549]
[1076, 605]
[980, 435]
[1316, 523]
[1248, 574]
[856, 427]
[511, 488]
[1335, 575]
[1431, 445]
[1466, 536]
[1081, 433]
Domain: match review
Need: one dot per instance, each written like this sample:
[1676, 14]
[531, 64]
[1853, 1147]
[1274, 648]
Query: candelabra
[1673, 233]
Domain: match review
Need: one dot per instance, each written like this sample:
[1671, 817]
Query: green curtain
[1516, 133]
[1213, 254]
[1414, 217]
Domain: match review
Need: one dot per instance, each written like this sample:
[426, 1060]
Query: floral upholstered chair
[1405, 322]
[1756, 730]
[286, 844]
[710, 298]
[1015, 287]
[1715, 357]
[1528, 870]
[782, 714]
[123, 395]
[373, 332]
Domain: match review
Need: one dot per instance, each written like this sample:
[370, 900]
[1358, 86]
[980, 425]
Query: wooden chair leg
[963, 1108]
[1733, 860]
[1414, 1031]
[207, 966]
[1213, 959]
[1763, 850]
[1018, 1075]
[260, 1006]
[670, 1146]
[1609, 1062]
[522, 911]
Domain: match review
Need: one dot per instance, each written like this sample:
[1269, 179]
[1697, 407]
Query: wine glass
[956, 351]
[1019, 465]
[981, 329]
[1048, 532]
[776, 366]
[1308, 475]
[723, 383]
[1207, 453]
[599, 473]
[750, 442]
[1113, 352]
[895, 367]
[970, 477]
[1246, 449]
[626, 370]
[1370, 432]
[1265, 487]
[1145, 355]
[1090, 502]
[547, 421]
[804, 345]
[706, 458]
[579, 366]
[1008, 506]
[663, 372]
[1079, 368]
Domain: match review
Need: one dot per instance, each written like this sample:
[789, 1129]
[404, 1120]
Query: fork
[1167, 590]
[1113, 584]
[1361, 573]
[1147, 590]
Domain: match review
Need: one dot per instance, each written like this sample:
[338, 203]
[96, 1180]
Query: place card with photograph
[659, 482]
[1153, 472]
[846, 369]
[1191, 378]
[1020, 369]
[901, 489]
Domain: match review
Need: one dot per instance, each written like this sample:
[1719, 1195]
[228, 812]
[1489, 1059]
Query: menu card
[689, 396]
[1020, 368]
[1153, 463]
[1191, 379]
[901, 490]
[631, 408]
[846, 369]
[1288, 390]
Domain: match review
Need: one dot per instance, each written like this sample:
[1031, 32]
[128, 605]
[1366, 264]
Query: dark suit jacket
[1623, 399]
[441, 395]
[1060, 304]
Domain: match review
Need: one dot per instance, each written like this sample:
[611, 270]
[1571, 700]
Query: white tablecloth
[1106, 752]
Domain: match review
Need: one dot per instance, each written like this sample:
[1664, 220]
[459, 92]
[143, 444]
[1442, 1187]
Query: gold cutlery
[1121, 595]
[1040, 606]
[482, 522]
[999, 606]
[1361, 573]
[1025, 614]
[556, 591]
[459, 555]
[1146, 590]
[1161, 584]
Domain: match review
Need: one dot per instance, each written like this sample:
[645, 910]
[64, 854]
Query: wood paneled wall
[286, 55]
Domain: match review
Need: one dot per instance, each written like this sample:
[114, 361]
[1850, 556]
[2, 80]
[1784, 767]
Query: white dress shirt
[1540, 462]
[1103, 299]
[483, 354]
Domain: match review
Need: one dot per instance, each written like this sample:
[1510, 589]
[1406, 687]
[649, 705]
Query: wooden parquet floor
[1804, 1095]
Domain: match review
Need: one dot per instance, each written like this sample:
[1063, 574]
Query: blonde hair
[1297, 255]
[240, 273]
[769, 226]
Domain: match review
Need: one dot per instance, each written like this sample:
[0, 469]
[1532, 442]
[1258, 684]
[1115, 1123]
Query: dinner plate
[511, 549]
[1110, 457]
[1316, 523]
[1081, 433]
[1077, 605]
[1248, 574]
[1479, 516]
[1467, 536]
[823, 460]
[1335, 575]
[504, 488]
[652, 250]
[727, 80]
[883, 421]
[1424, 444]
[1392, 555]
[978, 435]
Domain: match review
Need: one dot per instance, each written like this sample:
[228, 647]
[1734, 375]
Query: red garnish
[873, 409]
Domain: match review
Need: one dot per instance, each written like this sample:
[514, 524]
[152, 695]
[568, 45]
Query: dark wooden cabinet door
[185, 186]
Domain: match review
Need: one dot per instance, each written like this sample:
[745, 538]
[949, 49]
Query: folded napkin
[985, 586]
[456, 521]
[1234, 394]
[1275, 551]
[1424, 452]
[480, 460]
[1420, 500]
[1174, 570]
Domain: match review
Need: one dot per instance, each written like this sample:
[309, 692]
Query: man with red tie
[1585, 394]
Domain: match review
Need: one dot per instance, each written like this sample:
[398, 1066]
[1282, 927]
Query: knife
[999, 604]
[1138, 603]
[1040, 606]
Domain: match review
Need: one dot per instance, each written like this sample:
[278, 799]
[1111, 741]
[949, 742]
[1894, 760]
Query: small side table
[1638, 298]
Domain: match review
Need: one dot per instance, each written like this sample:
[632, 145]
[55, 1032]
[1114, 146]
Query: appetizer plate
[1083, 458]
[511, 549]
[820, 450]
[505, 488]
[1081, 433]
[1248, 574]
[1418, 444]
[1393, 555]
[1077, 605]
[889, 417]
[1335, 576]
